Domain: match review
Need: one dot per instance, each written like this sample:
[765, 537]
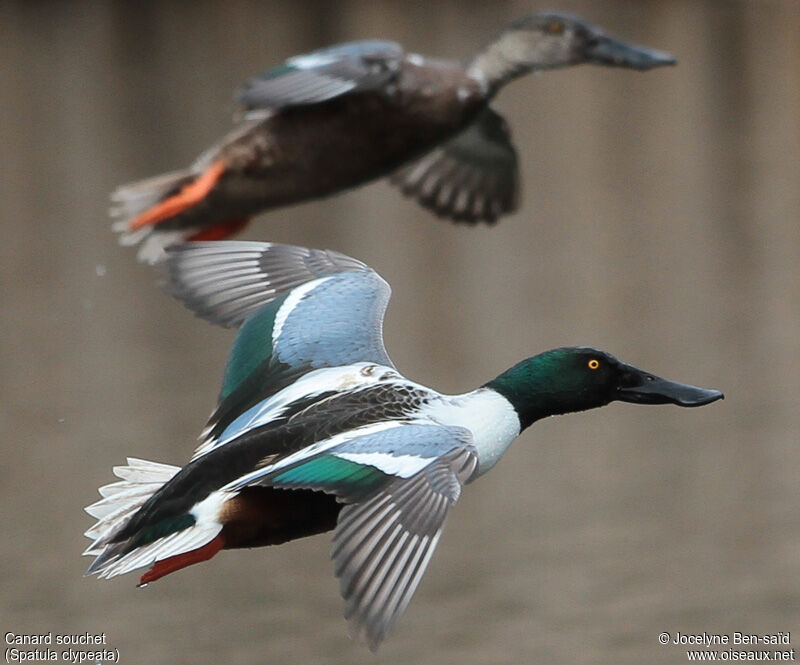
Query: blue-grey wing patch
[324, 74]
[471, 178]
[353, 465]
[298, 310]
[399, 484]
[335, 320]
[224, 282]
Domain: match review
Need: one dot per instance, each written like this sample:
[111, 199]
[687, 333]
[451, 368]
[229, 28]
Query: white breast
[487, 414]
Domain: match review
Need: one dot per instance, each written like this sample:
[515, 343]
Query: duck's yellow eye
[594, 363]
[555, 28]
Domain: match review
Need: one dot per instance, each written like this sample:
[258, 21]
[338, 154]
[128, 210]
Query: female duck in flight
[337, 118]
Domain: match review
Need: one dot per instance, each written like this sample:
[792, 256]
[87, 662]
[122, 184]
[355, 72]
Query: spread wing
[323, 75]
[297, 309]
[225, 282]
[399, 482]
[471, 178]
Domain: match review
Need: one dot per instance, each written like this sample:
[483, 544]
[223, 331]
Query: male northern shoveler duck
[315, 429]
[339, 117]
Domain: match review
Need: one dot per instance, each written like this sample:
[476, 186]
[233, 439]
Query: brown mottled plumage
[343, 116]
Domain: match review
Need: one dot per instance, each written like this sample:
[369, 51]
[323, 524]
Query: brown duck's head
[550, 40]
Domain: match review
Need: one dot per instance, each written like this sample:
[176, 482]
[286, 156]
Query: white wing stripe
[311, 60]
[379, 568]
[309, 451]
[290, 303]
[347, 377]
[403, 466]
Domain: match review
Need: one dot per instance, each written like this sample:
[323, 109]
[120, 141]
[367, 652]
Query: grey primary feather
[382, 546]
[224, 282]
[323, 75]
[384, 539]
[471, 178]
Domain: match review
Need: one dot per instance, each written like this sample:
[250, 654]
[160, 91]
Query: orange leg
[191, 194]
[173, 563]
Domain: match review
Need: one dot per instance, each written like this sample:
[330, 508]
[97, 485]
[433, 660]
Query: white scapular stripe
[403, 466]
[337, 379]
[311, 60]
[290, 303]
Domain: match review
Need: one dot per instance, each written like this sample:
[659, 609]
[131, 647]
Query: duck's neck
[493, 69]
[504, 60]
[490, 418]
[536, 388]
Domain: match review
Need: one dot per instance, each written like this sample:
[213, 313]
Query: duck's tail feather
[140, 480]
[139, 209]
[131, 200]
[154, 241]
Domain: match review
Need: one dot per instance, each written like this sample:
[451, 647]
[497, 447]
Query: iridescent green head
[578, 378]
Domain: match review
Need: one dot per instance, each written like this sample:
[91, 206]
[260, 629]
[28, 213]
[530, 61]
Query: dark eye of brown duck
[555, 28]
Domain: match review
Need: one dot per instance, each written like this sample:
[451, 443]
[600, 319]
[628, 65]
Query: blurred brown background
[660, 221]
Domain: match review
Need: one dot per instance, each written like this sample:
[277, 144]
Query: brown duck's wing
[324, 74]
[472, 178]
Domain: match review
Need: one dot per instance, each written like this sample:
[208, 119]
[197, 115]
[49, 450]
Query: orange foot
[173, 563]
[191, 194]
